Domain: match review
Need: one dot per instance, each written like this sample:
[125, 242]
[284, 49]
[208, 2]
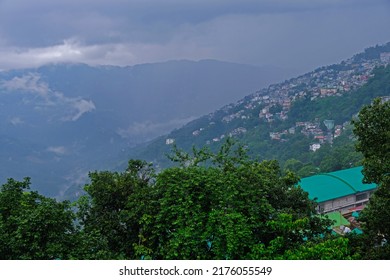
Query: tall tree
[226, 208]
[113, 206]
[33, 226]
[372, 129]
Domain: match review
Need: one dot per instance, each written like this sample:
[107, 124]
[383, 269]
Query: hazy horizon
[298, 35]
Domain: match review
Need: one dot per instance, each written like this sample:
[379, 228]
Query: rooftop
[328, 186]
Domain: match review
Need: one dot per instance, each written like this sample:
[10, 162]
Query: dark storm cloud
[41, 21]
[299, 34]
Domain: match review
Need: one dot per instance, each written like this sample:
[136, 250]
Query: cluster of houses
[323, 82]
[275, 101]
[310, 129]
[235, 132]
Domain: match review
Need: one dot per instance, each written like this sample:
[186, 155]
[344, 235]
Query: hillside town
[274, 103]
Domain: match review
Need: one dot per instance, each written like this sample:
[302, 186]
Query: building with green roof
[338, 191]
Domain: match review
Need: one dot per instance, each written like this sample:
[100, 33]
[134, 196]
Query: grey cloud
[42, 22]
[301, 40]
[67, 51]
[120, 32]
[122, 54]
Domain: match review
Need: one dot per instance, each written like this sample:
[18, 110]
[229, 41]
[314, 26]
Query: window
[361, 196]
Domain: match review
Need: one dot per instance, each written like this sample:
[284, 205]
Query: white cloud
[58, 150]
[16, 121]
[121, 54]
[71, 108]
[68, 51]
[149, 129]
[79, 107]
[28, 83]
[71, 51]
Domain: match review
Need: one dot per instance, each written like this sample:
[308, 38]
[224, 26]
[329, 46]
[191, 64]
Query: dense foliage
[212, 206]
[372, 129]
[33, 226]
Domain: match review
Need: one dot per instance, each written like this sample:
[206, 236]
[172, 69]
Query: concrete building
[340, 191]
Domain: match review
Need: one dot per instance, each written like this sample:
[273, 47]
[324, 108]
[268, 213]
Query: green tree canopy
[226, 208]
[372, 129]
[111, 210]
[33, 226]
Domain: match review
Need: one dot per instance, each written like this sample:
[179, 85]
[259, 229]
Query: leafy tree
[372, 129]
[33, 226]
[340, 157]
[225, 209]
[113, 207]
[308, 170]
[328, 249]
[373, 244]
[293, 165]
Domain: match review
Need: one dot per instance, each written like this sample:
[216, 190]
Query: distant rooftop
[328, 186]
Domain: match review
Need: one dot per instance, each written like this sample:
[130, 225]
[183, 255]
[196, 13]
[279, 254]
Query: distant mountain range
[58, 122]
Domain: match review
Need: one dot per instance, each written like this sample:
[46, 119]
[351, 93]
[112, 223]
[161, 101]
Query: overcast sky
[298, 34]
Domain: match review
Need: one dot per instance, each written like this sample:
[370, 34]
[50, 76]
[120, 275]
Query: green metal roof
[338, 219]
[328, 186]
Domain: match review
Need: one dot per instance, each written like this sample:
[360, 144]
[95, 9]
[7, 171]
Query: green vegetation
[211, 206]
[372, 52]
[222, 201]
[33, 226]
[372, 129]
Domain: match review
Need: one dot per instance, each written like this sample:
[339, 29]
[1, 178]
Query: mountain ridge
[75, 117]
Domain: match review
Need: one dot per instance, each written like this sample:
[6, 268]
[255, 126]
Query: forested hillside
[286, 121]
